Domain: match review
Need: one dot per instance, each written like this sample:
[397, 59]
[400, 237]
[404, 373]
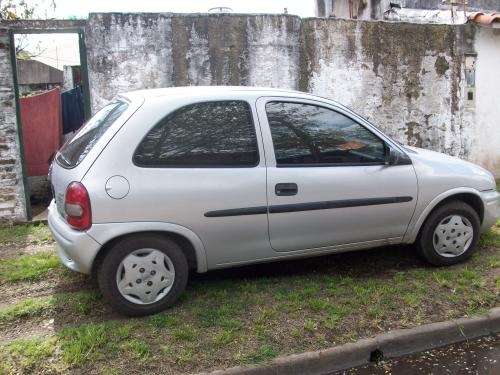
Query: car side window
[208, 134]
[305, 134]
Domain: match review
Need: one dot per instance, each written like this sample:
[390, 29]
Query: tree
[14, 10]
[11, 10]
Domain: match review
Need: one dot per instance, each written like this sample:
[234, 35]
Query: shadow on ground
[364, 263]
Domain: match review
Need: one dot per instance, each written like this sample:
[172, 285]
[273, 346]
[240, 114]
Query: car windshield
[75, 150]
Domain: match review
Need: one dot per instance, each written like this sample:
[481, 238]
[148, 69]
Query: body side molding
[311, 206]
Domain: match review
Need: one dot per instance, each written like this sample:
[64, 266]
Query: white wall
[487, 118]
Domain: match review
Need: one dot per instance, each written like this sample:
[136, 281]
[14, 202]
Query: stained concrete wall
[409, 79]
[406, 78]
[132, 51]
[35, 72]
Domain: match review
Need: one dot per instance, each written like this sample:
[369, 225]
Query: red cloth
[42, 130]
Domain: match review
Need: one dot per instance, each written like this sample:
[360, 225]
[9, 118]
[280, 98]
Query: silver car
[163, 182]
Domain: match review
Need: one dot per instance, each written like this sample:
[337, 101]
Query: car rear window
[74, 151]
[213, 134]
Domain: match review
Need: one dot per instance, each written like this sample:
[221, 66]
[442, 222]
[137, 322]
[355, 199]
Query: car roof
[209, 91]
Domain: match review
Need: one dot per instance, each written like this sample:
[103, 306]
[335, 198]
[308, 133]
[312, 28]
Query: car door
[328, 182]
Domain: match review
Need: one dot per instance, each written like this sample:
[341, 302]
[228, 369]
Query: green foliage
[264, 353]
[220, 315]
[185, 332]
[28, 267]
[26, 355]
[224, 337]
[139, 349]
[492, 237]
[84, 343]
[164, 320]
[25, 308]
[80, 303]
[35, 233]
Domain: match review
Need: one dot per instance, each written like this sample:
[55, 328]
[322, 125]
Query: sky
[55, 50]
[58, 50]
[81, 8]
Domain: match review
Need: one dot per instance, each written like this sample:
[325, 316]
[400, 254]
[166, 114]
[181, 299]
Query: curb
[391, 344]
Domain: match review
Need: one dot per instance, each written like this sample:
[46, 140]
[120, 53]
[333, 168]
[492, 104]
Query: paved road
[481, 356]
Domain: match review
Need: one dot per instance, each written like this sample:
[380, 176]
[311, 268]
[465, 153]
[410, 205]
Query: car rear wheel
[450, 234]
[142, 275]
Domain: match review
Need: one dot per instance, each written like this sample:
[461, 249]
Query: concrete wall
[131, 51]
[409, 79]
[486, 137]
[34, 72]
[68, 82]
[406, 78]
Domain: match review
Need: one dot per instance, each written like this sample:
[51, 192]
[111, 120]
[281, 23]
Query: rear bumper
[77, 250]
[491, 200]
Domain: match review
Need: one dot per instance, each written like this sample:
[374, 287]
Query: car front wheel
[142, 275]
[450, 234]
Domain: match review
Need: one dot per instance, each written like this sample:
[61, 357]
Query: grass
[139, 349]
[78, 303]
[24, 355]
[96, 341]
[31, 267]
[492, 237]
[263, 353]
[254, 314]
[25, 234]
[163, 320]
[185, 332]
[84, 343]
[25, 308]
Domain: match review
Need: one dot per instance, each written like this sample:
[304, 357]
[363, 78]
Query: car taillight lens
[77, 207]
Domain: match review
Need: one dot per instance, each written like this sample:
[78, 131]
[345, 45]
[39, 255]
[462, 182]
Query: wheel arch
[468, 195]
[108, 234]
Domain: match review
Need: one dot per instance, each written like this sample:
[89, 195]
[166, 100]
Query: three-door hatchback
[161, 182]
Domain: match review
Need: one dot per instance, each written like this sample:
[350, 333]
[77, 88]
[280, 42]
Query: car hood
[458, 172]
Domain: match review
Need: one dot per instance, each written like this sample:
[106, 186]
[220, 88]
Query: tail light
[77, 207]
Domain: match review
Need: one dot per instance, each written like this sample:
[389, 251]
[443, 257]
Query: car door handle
[286, 189]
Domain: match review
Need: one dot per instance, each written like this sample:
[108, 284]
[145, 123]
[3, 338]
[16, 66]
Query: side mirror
[395, 157]
[392, 156]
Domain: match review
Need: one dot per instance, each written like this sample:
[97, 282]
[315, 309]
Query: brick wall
[12, 201]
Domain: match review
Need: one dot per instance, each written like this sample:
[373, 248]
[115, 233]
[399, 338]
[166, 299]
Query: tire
[139, 259]
[437, 246]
